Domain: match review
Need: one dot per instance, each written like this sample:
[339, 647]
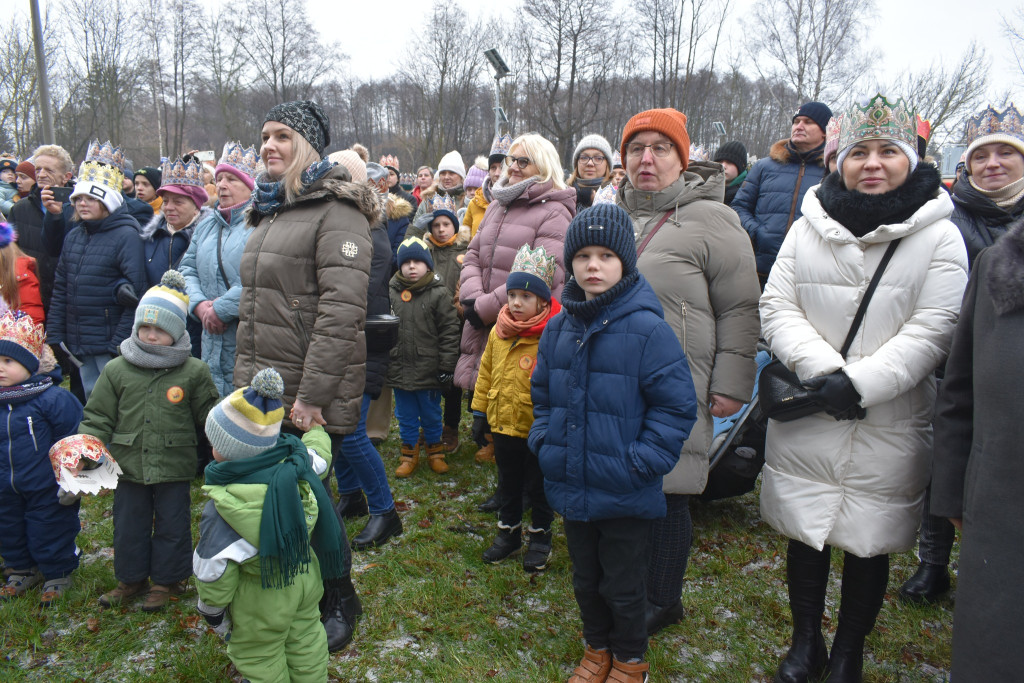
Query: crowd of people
[259, 321]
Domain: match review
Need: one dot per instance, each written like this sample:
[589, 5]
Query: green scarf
[284, 544]
[738, 180]
[425, 281]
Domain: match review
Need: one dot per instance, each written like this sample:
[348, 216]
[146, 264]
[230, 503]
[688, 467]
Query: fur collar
[1005, 279]
[158, 222]
[861, 213]
[784, 154]
[336, 187]
[398, 207]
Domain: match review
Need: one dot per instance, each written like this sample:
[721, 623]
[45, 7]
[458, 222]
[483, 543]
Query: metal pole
[44, 83]
[497, 108]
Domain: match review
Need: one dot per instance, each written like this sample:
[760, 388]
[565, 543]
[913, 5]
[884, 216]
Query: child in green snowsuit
[263, 542]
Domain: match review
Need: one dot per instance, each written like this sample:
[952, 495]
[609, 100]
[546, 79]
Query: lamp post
[44, 83]
[500, 71]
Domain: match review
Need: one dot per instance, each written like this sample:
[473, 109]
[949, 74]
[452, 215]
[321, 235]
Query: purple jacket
[539, 217]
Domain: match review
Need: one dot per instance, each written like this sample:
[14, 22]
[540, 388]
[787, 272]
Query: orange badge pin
[406, 295]
[460, 258]
[175, 394]
[526, 363]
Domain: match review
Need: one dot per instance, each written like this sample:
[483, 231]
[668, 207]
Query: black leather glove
[837, 395]
[445, 380]
[126, 296]
[480, 428]
[472, 317]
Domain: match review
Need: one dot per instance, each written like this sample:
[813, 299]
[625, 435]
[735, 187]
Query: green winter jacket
[149, 418]
[428, 336]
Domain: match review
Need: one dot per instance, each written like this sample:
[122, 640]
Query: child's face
[524, 305]
[442, 228]
[89, 208]
[597, 269]
[151, 334]
[414, 269]
[7, 175]
[12, 372]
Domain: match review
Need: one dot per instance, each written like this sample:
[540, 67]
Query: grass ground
[435, 612]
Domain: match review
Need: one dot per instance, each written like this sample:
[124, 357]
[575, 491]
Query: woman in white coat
[854, 475]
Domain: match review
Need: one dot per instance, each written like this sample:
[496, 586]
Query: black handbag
[381, 331]
[781, 393]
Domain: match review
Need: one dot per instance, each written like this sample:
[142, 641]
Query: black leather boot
[491, 504]
[864, 581]
[352, 505]
[807, 577]
[508, 542]
[339, 610]
[378, 530]
[928, 584]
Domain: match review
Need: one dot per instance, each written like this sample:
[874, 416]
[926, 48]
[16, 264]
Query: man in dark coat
[769, 201]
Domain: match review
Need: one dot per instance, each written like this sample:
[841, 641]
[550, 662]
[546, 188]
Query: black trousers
[519, 473]
[609, 569]
[670, 552]
[452, 407]
[152, 532]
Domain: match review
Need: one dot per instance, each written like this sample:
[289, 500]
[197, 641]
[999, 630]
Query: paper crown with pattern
[244, 159]
[832, 136]
[992, 122]
[616, 159]
[21, 339]
[501, 145]
[606, 195]
[441, 202]
[535, 262]
[71, 450]
[699, 153]
[878, 118]
[179, 172]
[102, 165]
[390, 161]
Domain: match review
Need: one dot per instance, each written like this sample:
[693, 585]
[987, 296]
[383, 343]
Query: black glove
[445, 380]
[471, 316]
[837, 395]
[126, 296]
[480, 427]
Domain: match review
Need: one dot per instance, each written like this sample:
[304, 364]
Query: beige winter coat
[701, 266]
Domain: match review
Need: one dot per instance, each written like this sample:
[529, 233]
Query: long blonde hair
[544, 157]
[303, 156]
[9, 256]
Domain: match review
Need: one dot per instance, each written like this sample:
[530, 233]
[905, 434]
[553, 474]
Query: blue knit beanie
[815, 111]
[414, 249]
[164, 306]
[605, 225]
[248, 422]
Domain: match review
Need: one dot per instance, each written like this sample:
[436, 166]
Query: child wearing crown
[501, 400]
[147, 404]
[37, 538]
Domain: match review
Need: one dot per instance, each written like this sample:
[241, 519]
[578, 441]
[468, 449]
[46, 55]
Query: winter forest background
[160, 77]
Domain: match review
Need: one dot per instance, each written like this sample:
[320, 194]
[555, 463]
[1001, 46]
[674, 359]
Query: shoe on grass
[53, 590]
[160, 594]
[19, 581]
[123, 593]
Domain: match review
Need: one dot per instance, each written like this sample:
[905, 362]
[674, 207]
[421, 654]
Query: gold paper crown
[102, 165]
[105, 154]
[991, 122]
[501, 145]
[17, 327]
[535, 262]
[442, 203]
[390, 161]
[180, 172]
[244, 159]
[878, 118]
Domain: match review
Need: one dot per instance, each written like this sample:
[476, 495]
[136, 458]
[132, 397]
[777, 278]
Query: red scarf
[508, 327]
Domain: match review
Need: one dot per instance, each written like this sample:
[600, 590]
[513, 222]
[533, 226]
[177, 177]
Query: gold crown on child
[535, 262]
[180, 172]
[244, 159]
[17, 327]
[442, 203]
[102, 165]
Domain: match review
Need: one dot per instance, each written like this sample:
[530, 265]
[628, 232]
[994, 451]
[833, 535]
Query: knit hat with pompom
[248, 422]
[164, 306]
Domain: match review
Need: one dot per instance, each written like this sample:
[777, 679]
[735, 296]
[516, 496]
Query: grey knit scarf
[155, 356]
[505, 194]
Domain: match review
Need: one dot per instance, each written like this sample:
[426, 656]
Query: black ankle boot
[378, 530]
[928, 584]
[864, 581]
[491, 504]
[538, 551]
[339, 610]
[807, 578]
[506, 543]
[352, 505]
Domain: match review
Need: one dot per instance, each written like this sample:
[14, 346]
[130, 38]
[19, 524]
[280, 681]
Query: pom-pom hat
[248, 422]
[605, 225]
[21, 339]
[533, 270]
[164, 306]
[414, 249]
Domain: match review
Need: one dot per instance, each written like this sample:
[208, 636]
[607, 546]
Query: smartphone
[62, 194]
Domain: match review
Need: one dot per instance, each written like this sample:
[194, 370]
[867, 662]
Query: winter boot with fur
[628, 672]
[807, 576]
[593, 668]
[435, 457]
[450, 438]
[486, 453]
[408, 461]
[539, 550]
[861, 597]
[508, 542]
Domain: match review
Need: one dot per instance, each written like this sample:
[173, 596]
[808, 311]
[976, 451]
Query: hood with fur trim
[782, 153]
[1006, 262]
[398, 208]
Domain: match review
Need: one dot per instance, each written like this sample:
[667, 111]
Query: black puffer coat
[980, 220]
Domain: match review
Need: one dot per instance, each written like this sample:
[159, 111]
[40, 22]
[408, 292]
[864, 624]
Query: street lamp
[500, 71]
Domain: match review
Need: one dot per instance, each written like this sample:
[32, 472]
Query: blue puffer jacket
[769, 201]
[613, 403]
[163, 249]
[27, 431]
[204, 282]
[57, 226]
[96, 257]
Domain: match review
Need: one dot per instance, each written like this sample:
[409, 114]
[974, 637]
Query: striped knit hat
[164, 306]
[248, 422]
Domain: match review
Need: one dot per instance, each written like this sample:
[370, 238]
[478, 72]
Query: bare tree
[17, 86]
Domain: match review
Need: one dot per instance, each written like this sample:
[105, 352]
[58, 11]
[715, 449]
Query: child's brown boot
[160, 594]
[486, 453]
[435, 455]
[409, 460]
[628, 672]
[593, 668]
[123, 592]
[450, 438]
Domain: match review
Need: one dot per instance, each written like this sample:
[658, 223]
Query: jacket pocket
[295, 305]
[32, 431]
[681, 332]
[180, 439]
[123, 438]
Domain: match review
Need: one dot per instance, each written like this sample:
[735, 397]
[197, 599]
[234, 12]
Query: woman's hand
[305, 416]
[723, 406]
[208, 317]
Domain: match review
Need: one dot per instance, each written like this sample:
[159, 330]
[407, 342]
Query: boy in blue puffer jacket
[613, 404]
[37, 538]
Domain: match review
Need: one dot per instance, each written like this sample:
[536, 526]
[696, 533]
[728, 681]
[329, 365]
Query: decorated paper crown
[70, 450]
[535, 262]
[878, 118]
[102, 166]
[17, 327]
[244, 159]
[180, 172]
[105, 153]
[389, 161]
[991, 122]
[501, 145]
[606, 195]
[832, 135]
[442, 203]
[616, 159]
[698, 153]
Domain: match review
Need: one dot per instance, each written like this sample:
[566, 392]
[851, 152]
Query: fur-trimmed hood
[784, 154]
[1005, 279]
[398, 207]
[158, 222]
[337, 185]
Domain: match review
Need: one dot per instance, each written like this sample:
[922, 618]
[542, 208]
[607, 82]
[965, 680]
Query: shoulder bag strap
[647, 239]
[220, 262]
[863, 308]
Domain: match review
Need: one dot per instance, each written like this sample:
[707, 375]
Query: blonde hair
[57, 152]
[543, 155]
[576, 169]
[303, 156]
[9, 256]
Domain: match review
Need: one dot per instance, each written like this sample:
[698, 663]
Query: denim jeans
[417, 410]
[357, 465]
[91, 368]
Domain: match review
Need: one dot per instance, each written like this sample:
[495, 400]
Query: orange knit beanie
[669, 122]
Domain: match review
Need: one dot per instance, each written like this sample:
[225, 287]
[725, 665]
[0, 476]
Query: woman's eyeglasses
[521, 162]
[658, 149]
[599, 159]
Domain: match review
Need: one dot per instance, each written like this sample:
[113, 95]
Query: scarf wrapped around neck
[507, 327]
[268, 197]
[447, 243]
[156, 356]
[26, 391]
[415, 285]
[1005, 197]
[505, 194]
[284, 541]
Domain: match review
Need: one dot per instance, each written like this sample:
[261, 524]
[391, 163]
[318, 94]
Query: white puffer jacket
[859, 485]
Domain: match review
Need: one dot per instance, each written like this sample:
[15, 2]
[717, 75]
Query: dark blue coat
[769, 200]
[96, 257]
[27, 430]
[57, 226]
[613, 403]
